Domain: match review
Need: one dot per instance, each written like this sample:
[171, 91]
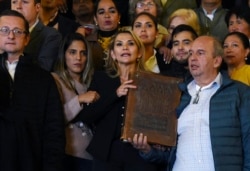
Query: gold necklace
[104, 42]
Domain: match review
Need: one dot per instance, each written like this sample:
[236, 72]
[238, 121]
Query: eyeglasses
[143, 5]
[5, 31]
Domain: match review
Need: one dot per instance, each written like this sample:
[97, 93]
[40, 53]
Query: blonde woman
[183, 16]
[126, 55]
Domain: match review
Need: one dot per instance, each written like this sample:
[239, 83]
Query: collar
[107, 33]
[216, 82]
[210, 15]
[53, 20]
[33, 26]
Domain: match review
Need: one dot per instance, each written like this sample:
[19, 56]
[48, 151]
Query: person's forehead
[202, 44]
[183, 35]
[12, 21]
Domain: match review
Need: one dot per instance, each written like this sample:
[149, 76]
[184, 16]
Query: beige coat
[78, 135]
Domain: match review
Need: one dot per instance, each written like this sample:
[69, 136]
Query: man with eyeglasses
[31, 116]
[213, 118]
[44, 41]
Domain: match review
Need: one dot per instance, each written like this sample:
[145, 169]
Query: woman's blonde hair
[111, 65]
[189, 16]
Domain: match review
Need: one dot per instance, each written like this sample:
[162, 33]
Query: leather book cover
[150, 109]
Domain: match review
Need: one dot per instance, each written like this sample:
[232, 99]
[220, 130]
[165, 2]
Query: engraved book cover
[150, 109]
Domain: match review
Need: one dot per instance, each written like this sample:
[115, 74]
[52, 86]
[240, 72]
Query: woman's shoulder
[102, 80]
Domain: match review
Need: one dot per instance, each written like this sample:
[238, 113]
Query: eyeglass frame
[16, 31]
[141, 4]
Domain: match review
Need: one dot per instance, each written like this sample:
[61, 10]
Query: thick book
[151, 108]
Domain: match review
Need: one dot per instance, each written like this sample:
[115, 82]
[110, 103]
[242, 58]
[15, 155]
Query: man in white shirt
[213, 118]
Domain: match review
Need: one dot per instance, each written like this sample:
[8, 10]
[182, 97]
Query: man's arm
[148, 152]
[53, 132]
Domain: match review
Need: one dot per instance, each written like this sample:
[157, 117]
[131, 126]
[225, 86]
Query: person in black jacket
[213, 117]
[44, 41]
[31, 120]
[107, 114]
[181, 40]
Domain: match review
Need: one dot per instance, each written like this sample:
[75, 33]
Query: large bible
[150, 108]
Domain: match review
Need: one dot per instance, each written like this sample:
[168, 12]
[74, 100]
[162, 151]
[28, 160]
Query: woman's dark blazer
[106, 114]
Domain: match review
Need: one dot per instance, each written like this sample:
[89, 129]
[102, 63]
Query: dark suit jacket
[65, 25]
[173, 5]
[43, 46]
[31, 119]
[106, 114]
[4, 4]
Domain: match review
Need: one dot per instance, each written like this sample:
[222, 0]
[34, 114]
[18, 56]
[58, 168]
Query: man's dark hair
[184, 27]
[16, 14]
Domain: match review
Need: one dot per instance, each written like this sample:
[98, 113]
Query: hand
[167, 56]
[140, 143]
[123, 89]
[88, 97]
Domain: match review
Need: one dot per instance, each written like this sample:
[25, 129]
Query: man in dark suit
[44, 41]
[50, 16]
[31, 116]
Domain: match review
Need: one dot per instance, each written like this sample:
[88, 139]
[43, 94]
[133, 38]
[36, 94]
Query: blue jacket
[229, 127]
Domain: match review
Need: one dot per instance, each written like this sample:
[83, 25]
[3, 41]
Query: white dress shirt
[194, 152]
[11, 68]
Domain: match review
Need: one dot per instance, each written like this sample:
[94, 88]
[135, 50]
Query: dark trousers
[123, 157]
[72, 163]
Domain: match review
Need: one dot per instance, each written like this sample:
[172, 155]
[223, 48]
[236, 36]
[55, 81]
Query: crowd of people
[66, 69]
